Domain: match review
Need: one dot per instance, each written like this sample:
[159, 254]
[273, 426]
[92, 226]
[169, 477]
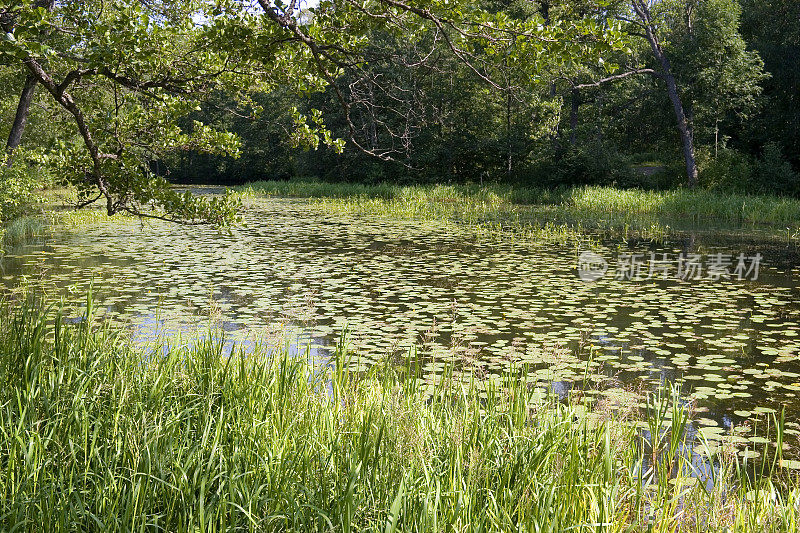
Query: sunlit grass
[99, 436]
[22, 230]
[55, 211]
[542, 212]
[696, 206]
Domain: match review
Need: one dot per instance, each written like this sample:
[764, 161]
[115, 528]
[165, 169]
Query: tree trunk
[685, 129]
[21, 117]
[509, 145]
[25, 100]
[683, 120]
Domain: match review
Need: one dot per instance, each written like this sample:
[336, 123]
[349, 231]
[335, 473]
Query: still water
[296, 274]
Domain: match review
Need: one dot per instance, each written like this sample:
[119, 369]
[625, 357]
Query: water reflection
[299, 276]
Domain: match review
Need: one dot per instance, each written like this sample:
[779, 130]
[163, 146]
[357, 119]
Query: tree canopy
[124, 95]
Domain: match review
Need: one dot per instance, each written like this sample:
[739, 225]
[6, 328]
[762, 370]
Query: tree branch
[620, 76]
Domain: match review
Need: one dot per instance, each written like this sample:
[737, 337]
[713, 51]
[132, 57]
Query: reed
[569, 210]
[22, 229]
[97, 435]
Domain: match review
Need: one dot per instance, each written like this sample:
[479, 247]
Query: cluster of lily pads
[432, 291]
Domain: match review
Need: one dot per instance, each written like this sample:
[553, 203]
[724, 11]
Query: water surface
[295, 273]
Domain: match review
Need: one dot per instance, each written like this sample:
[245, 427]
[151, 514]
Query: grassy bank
[98, 436]
[583, 208]
[55, 209]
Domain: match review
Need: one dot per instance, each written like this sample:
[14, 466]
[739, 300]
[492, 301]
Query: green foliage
[124, 74]
[19, 184]
[721, 79]
[97, 435]
[732, 170]
[772, 172]
[456, 128]
[128, 75]
[772, 28]
[594, 164]
[161, 96]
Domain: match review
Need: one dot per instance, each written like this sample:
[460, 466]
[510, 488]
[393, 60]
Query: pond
[296, 274]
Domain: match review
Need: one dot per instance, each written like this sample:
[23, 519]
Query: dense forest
[735, 66]
[630, 94]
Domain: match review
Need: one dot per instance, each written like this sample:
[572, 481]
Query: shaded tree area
[772, 29]
[632, 93]
[421, 110]
[705, 94]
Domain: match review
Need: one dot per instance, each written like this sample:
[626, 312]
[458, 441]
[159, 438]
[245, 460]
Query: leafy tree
[448, 88]
[772, 28]
[124, 73]
[127, 74]
[721, 79]
[702, 60]
[693, 54]
[266, 133]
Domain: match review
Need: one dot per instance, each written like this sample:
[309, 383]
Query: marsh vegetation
[98, 435]
[542, 275]
[415, 273]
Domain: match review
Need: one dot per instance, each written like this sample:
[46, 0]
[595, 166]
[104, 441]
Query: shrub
[730, 170]
[734, 171]
[595, 164]
[773, 173]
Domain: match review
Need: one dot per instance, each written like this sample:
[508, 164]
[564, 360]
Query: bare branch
[620, 76]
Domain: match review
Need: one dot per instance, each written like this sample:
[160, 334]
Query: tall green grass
[55, 211]
[97, 436]
[22, 229]
[565, 210]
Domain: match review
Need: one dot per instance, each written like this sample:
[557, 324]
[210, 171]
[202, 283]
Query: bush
[735, 171]
[773, 173]
[730, 170]
[595, 164]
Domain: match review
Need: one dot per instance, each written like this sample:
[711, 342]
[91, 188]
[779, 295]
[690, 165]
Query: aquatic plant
[22, 229]
[580, 209]
[297, 272]
[54, 211]
[95, 435]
